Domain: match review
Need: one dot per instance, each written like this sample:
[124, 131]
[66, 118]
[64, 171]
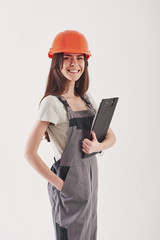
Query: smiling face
[73, 65]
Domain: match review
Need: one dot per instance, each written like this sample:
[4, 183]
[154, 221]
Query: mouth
[73, 71]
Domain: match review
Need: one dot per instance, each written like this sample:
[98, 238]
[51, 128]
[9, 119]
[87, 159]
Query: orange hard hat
[69, 41]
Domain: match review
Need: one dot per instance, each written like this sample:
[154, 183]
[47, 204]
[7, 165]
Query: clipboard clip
[101, 153]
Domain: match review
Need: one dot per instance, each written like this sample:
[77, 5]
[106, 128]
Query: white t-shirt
[53, 110]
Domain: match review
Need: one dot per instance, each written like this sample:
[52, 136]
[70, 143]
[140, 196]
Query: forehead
[72, 54]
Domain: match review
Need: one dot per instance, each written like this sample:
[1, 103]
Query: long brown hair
[57, 84]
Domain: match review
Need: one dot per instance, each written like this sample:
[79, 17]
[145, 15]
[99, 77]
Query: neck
[71, 92]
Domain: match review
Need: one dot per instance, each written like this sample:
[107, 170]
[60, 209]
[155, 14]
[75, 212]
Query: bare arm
[109, 140]
[34, 159]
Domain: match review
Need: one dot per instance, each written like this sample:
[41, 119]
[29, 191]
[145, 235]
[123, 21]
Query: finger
[86, 148]
[83, 150]
[88, 142]
[93, 135]
[86, 151]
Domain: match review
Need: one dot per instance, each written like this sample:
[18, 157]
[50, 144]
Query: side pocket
[63, 174]
[54, 168]
[51, 192]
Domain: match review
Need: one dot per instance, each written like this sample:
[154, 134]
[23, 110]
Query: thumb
[93, 135]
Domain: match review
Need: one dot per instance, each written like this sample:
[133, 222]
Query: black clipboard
[102, 119]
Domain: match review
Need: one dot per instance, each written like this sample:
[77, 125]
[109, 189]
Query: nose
[73, 61]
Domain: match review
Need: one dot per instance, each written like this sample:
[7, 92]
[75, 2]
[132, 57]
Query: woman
[65, 116]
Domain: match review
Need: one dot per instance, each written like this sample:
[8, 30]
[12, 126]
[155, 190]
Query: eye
[80, 58]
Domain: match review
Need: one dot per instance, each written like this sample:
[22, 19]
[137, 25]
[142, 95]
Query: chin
[73, 78]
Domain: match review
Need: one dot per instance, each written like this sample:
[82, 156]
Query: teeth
[73, 70]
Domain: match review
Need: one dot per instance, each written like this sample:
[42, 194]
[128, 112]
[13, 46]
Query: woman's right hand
[60, 185]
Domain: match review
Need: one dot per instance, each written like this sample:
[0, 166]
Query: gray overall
[74, 208]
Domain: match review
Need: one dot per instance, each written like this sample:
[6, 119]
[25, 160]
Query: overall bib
[74, 208]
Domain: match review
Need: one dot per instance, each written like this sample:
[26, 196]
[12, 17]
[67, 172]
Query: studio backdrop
[124, 38]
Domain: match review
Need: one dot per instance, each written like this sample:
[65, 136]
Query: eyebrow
[71, 55]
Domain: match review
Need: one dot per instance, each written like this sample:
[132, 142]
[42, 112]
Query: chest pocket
[81, 123]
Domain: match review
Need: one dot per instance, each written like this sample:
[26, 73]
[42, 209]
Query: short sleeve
[47, 110]
[92, 101]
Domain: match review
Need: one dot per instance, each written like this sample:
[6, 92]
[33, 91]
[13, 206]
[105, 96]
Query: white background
[124, 39]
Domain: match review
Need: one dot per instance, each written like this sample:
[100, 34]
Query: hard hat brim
[52, 51]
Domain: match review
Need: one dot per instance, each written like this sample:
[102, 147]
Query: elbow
[30, 157]
[28, 153]
[113, 139]
[111, 136]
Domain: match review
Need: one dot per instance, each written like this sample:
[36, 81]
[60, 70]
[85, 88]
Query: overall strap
[85, 98]
[63, 101]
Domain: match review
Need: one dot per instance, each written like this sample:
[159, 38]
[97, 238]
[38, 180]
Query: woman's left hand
[91, 146]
